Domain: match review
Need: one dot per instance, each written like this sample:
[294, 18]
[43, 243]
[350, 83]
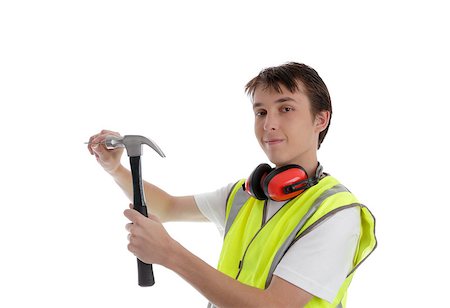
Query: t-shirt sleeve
[213, 205]
[320, 261]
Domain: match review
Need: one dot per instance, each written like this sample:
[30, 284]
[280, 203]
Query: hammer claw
[133, 144]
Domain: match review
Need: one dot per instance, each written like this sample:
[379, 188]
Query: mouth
[272, 141]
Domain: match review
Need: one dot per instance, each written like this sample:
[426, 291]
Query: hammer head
[132, 143]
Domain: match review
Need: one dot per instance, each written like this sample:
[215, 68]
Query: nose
[271, 122]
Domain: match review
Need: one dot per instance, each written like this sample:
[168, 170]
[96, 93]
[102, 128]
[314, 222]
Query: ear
[322, 119]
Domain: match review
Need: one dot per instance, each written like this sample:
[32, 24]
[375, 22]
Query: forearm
[157, 200]
[217, 287]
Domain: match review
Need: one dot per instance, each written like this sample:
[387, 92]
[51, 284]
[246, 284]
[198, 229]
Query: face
[285, 127]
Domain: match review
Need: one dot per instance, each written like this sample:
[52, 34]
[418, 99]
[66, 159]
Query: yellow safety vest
[253, 248]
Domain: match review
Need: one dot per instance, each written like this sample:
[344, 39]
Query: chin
[278, 160]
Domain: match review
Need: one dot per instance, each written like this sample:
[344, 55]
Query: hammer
[133, 145]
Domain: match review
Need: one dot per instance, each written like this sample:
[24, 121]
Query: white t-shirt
[319, 261]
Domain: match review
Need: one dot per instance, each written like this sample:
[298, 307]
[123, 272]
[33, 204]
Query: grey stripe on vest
[238, 202]
[316, 204]
[374, 247]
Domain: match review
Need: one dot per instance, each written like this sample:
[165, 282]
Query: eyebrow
[278, 101]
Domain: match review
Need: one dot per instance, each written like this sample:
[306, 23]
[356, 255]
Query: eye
[260, 113]
[286, 109]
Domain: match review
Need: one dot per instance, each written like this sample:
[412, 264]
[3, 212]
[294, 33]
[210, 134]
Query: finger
[99, 139]
[129, 227]
[131, 206]
[132, 246]
[97, 151]
[89, 146]
[97, 147]
[99, 142]
[109, 132]
[133, 216]
[131, 249]
[105, 133]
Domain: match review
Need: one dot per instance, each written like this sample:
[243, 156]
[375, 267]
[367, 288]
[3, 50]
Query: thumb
[132, 215]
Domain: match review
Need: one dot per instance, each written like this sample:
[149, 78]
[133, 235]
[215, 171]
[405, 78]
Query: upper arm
[285, 294]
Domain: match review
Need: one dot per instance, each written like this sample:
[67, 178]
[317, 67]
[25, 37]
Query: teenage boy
[293, 235]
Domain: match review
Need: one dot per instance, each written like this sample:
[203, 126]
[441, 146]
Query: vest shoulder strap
[294, 235]
[235, 201]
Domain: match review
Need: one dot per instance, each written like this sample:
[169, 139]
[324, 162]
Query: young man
[293, 235]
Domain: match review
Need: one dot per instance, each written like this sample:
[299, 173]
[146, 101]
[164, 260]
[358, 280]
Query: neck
[310, 165]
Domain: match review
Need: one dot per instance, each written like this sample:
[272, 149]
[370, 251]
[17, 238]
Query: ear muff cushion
[278, 179]
[253, 185]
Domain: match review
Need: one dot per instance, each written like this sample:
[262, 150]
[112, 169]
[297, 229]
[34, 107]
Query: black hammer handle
[145, 271]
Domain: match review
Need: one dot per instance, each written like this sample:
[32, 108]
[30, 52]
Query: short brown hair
[288, 75]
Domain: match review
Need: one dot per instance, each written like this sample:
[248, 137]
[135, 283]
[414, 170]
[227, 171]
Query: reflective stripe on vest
[251, 252]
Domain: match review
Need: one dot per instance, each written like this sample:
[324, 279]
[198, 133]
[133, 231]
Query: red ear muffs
[253, 184]
[286, 182]
[280, 184]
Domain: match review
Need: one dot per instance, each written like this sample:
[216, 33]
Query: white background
[174, 71]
